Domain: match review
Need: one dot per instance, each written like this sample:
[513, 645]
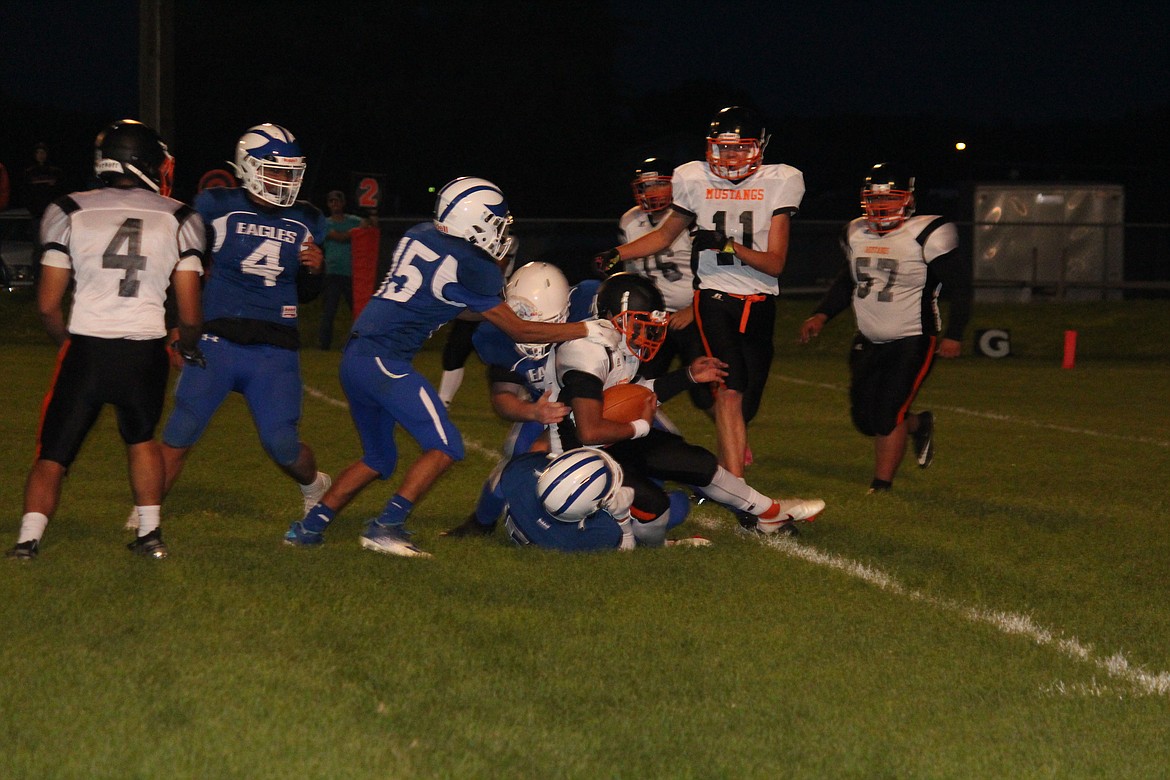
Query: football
[624, 403]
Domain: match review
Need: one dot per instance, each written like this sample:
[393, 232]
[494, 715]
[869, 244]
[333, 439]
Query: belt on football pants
[748, 300]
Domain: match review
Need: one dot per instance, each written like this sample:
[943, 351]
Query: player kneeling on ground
[576, 503]
[649, 455]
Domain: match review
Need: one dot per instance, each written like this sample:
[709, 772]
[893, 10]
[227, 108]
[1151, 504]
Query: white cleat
[391, 540]
[791, 510]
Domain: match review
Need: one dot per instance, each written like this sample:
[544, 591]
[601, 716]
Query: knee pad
[283, 447]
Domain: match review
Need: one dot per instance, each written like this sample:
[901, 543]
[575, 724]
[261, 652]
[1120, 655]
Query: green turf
[880, 646]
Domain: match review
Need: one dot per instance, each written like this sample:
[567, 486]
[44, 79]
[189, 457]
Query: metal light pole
[156, 66]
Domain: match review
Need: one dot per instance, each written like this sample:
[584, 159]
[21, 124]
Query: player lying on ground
[576, 502]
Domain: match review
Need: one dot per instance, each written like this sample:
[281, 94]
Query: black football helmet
[887, 198]
[651, 184]
[636, 308]
[130, 148]
[735, 143]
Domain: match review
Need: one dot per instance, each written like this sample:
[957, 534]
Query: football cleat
[777, 526]
[923, 439]
[391, 540]
[149, 545]
[470, 527]
[24, 551]
[299, 536]
[316, 493]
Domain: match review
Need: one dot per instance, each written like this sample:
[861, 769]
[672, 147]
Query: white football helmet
[538, 292]
[575, 485]
[270, 164]
[475, 210]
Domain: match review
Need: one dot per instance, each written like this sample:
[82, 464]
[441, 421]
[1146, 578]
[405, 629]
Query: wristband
[641, 428]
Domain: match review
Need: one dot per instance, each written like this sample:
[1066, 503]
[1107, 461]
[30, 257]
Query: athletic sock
[148, 518]
[730, 490]
[318, 518]
[396, 511]
[32, 527]
[449, 385]
[314, 487]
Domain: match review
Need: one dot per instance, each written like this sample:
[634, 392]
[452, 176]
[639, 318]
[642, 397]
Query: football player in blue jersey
[440, 270]
[264, 246]
[538, 292]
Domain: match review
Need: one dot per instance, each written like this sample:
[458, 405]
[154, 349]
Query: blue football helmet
[270, 164]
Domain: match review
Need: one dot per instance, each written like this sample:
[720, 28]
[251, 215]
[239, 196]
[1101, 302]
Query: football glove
[603, 332]
[606, 261]
[192, 356]
[619, 503]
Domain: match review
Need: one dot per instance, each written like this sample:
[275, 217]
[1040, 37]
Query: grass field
[1003, 614]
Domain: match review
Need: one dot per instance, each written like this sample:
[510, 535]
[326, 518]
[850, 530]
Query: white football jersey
[122, 245]
[741, 210]
[611, 366]
[890, 298]
[670, 270]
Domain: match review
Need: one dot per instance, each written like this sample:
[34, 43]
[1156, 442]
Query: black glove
[603, 263]
[708, 239]
[192, 356]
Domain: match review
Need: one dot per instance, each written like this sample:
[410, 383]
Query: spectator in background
[43, 183]
[338, 282]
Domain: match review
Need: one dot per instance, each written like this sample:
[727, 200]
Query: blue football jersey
[255, 255]
[432, 278]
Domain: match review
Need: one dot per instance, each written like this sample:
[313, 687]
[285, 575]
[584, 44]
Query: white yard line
[1116, 665]
[1007, 418]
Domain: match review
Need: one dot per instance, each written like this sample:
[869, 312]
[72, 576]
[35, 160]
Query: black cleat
[24, 551]
[150, 545]
[924, 439]
[470, 527]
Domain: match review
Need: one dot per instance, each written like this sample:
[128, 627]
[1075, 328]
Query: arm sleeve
[671, 384]
[838, 296]
[953, 270]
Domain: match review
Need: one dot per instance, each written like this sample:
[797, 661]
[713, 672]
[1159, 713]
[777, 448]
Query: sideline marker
[1070, 349]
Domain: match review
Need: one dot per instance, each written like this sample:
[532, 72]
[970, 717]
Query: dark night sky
[558, 105]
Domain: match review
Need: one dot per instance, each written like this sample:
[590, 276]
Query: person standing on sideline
[895, 265]
[43, 183]
[741, 210]
[338, 282]
[441, 269]
[122, 245]
[265, 255]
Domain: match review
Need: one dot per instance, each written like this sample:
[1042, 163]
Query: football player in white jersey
[123, 246]
[740, 211]
[648, 454]
[669, 270]
[896, 264]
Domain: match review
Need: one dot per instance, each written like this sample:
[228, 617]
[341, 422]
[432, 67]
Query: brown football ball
[624, 403]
